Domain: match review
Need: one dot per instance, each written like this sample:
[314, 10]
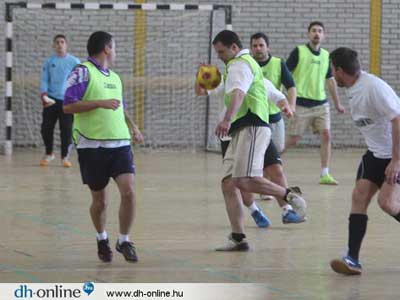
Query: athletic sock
[238, 237]
[357, 229]
[253, 207]
[324, 171]
[123, 238]
[286, 208]
[101, 236]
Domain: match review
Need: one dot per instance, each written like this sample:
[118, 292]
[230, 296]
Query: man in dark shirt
[309, 65]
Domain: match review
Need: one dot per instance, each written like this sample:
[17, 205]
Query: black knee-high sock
[397, 217]
[357, 229]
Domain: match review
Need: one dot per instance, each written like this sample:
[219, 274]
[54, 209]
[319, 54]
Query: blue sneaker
[260, 219]
[291, 217]
[347, 266]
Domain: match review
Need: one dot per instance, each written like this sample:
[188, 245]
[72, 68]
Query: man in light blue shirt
[52, 87]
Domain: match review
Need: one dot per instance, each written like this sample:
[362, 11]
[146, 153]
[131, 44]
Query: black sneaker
[128, 251]
[104, 250]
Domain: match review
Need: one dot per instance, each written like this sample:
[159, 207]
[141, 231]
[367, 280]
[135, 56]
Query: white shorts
[278, 135]
[245, 154]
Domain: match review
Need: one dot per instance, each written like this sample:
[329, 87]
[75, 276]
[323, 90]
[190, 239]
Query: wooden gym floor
[46, 234]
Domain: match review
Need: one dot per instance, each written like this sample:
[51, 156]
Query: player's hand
[340, 108]
[392, 172]
[44, 103]
[137, 136]
[287, 110]
[293, 108]
[197, 88]
[222, 129]
[110, 104]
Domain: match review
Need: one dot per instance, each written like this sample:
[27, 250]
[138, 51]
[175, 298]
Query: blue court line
[59, 226]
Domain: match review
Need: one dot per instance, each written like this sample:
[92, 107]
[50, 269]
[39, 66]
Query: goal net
[158, 50]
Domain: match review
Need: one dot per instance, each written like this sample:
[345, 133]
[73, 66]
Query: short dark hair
[227, 38]
[260, 35]
[58, 36]
[97, 42]
[347, 59]
[313, 23]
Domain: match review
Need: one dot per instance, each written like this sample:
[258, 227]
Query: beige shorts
[245, 154]
[317, 117]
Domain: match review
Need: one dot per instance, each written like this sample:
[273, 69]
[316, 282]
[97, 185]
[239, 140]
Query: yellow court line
[139, 61]
[375, 37]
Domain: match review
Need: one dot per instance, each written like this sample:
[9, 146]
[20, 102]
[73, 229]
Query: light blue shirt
[55, 73]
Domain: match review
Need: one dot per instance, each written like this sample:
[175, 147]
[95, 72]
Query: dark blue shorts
[98, 165]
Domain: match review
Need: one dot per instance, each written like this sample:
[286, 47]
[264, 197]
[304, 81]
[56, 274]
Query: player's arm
[199, 90]
[224, 126]
[137, 136]
[387, 106]
[392, 171]
[44, 83]
[238, 82]
[288, 83]
[277, 97]
[85, 106]
[332, 88]
[76, 87]
[293, 59]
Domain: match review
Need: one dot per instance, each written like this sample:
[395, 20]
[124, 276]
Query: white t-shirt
[373, 105]
[240, 75]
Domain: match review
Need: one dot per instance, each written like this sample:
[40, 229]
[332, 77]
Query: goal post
[157, 57]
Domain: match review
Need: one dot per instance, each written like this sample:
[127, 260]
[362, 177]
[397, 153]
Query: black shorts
[271, 156]
[372, 168]
[99, 164]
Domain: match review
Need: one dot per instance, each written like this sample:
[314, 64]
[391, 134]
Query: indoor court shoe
[298, 203]
[233, 245]
[260, 219]
[291, 217]
[128, 251]
[328, 180]
[346, 266]
[47, 159]
[66, 163]
[104, 250]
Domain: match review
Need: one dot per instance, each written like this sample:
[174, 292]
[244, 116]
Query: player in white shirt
[272, 161]
[375, 109]
[246, 121]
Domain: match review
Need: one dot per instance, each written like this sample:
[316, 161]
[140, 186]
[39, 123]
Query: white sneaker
[298, 203]
[233, 245]
[47, 159]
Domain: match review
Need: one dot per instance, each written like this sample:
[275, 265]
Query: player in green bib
[102, 134]
[309, 65]
[246, 122]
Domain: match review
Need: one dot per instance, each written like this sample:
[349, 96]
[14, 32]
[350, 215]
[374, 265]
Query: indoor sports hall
[46, 232]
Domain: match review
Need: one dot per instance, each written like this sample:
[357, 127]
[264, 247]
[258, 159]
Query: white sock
[123, 238]
[253, 207]
[101, 236]
[286, 208]
[324, 171]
